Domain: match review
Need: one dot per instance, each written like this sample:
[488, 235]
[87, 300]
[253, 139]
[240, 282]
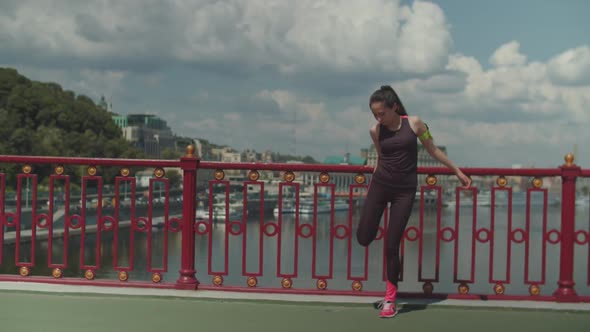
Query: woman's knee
[363, 238]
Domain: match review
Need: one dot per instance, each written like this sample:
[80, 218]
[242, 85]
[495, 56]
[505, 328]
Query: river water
[323, 238]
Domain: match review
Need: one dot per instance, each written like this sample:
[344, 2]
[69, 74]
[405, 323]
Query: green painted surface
[27, 311]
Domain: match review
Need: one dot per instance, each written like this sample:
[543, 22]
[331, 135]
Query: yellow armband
[426, 135]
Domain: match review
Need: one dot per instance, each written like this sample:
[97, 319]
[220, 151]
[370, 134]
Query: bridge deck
[61, 311]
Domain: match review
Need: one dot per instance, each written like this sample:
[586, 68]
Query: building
[180, 144]
[229, 155]
[250, 156]
[346, 159]
[341, 181]
[147, 132]
[372, 156]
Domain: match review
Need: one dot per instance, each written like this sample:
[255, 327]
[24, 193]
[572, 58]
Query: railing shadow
[407, 308]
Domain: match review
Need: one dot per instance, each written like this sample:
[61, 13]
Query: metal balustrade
[69, 227]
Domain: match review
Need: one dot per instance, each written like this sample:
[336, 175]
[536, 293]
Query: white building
[147, 132]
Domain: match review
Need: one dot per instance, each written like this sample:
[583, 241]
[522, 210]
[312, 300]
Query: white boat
[583, 201]
[323, 206]
[219, 212]
[307, 206]
[287, 207]
[201, 214]
[484, 198]
[519, 198]
[536, 199]
[430, 200]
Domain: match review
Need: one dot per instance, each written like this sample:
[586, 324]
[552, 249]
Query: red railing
[194, 231]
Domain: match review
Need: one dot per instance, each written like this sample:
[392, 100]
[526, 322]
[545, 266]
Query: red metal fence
[27, 233]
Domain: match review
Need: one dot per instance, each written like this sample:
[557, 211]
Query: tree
[171, 154]
[174, 178]
[44, 120]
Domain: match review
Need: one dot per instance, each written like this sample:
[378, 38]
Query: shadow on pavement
[406, 307]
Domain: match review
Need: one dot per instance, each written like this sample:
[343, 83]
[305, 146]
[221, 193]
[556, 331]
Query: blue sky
[543, 28]
[499, 82]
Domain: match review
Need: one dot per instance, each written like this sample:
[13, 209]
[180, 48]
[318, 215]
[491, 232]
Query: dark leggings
[376, 201]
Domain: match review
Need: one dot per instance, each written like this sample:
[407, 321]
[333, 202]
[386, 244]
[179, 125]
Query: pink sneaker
[388, 309]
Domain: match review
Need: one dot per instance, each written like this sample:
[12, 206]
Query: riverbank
[43, 234]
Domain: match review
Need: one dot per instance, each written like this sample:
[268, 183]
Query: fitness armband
[426, 135]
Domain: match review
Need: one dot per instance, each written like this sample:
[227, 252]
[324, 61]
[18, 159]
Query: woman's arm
[423, 134]
[374, 131]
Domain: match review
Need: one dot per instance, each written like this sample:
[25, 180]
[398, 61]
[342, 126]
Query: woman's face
[383, 114]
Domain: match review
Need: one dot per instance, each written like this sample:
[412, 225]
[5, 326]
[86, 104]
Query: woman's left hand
[465, 180]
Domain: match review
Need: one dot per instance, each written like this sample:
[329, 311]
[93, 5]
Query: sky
[499, 83]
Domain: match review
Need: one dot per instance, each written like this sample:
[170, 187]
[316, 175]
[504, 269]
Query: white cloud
[90, 82]
[281, 97]
[444, 83]
[305, 118]
[186, 59]
[233, 116]
[425, 39]
[571, 67]
[340, 35]
[314, 129]
[493, 115]
[506, 133]
[501, 144]
[200, 96]
[522, 87]
[476, 82]
[204, 125]
[371, 35]
[508, 55]
[108, 82]
[483, 116]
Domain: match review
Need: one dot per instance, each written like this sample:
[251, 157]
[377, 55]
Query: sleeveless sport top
[398, 160]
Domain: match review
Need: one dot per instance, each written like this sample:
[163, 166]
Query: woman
[395, 180]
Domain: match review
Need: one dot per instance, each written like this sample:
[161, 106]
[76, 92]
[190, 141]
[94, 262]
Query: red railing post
[569, 173]
[189, 165]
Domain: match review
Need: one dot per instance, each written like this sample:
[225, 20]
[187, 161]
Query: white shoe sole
[391, 316]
